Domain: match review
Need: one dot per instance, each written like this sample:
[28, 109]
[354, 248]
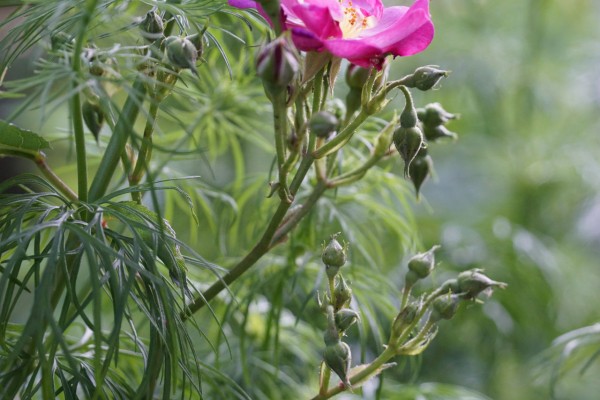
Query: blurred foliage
[516, 195]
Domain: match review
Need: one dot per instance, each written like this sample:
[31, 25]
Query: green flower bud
[451, 285]
[433, 133]
[94, 61]
[408, 142]
[434, 114]
[152, 26]
[93, 117]
[405, 317]
[420, 169]
[342, 293]
[277, 65]
[473, 282]
[423, 263]
[181, 53]
[198, 41]
[424, 78]
[357, 76]
[338, 357]
[334, 254]
[444, 307]
[323, 124]
[345, 318]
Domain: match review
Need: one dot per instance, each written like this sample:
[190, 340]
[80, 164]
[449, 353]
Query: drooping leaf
[15, 138]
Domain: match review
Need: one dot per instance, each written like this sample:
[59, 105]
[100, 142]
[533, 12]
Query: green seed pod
[334, 254]
[342, 293]
[152, 26]
[323, 124]
[277, 65]
[338, 357]
[408, 142]
[444, 307]
[425, 78]
[423, 263]
[93, 117]
[345, 318]
[420, 169]
[411, 278]
[473, 282]
[450, 286]
[181, 53]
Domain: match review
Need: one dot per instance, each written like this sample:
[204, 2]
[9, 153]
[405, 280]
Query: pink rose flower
[361, 31]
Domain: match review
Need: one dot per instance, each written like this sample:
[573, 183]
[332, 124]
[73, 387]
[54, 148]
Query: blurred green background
[518, 195]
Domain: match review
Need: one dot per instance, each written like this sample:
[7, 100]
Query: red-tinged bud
[277, 65]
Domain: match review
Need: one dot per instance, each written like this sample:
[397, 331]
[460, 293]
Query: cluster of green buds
[336, 306]
[421, 126]
[416, 324]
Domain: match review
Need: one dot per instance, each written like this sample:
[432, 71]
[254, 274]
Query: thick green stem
[325, 375]
[118, 140]
[75, 104]
[280, 124]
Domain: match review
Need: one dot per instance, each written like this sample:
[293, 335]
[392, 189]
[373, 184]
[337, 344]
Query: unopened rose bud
[433, 133]
[420, 169]
[423, 263]
[408, 142]
[152, 26]
[434, 114]
[342, 293]
[198, 41]
[473, 282]
[357, 76]
[338, 357]
[323, 124]
[444, 307]
[181, 53]
[334, 256]
[425, 78]
[345, 318]
[406, 317]
[277, 65]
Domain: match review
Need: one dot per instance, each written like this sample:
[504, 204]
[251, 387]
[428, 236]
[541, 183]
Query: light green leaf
[17, 139]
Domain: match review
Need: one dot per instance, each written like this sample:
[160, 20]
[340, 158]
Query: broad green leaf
[17, 139]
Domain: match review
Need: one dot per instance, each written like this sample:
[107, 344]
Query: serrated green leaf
[15, 138]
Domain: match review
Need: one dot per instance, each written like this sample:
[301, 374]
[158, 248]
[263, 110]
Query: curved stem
[342, 138]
